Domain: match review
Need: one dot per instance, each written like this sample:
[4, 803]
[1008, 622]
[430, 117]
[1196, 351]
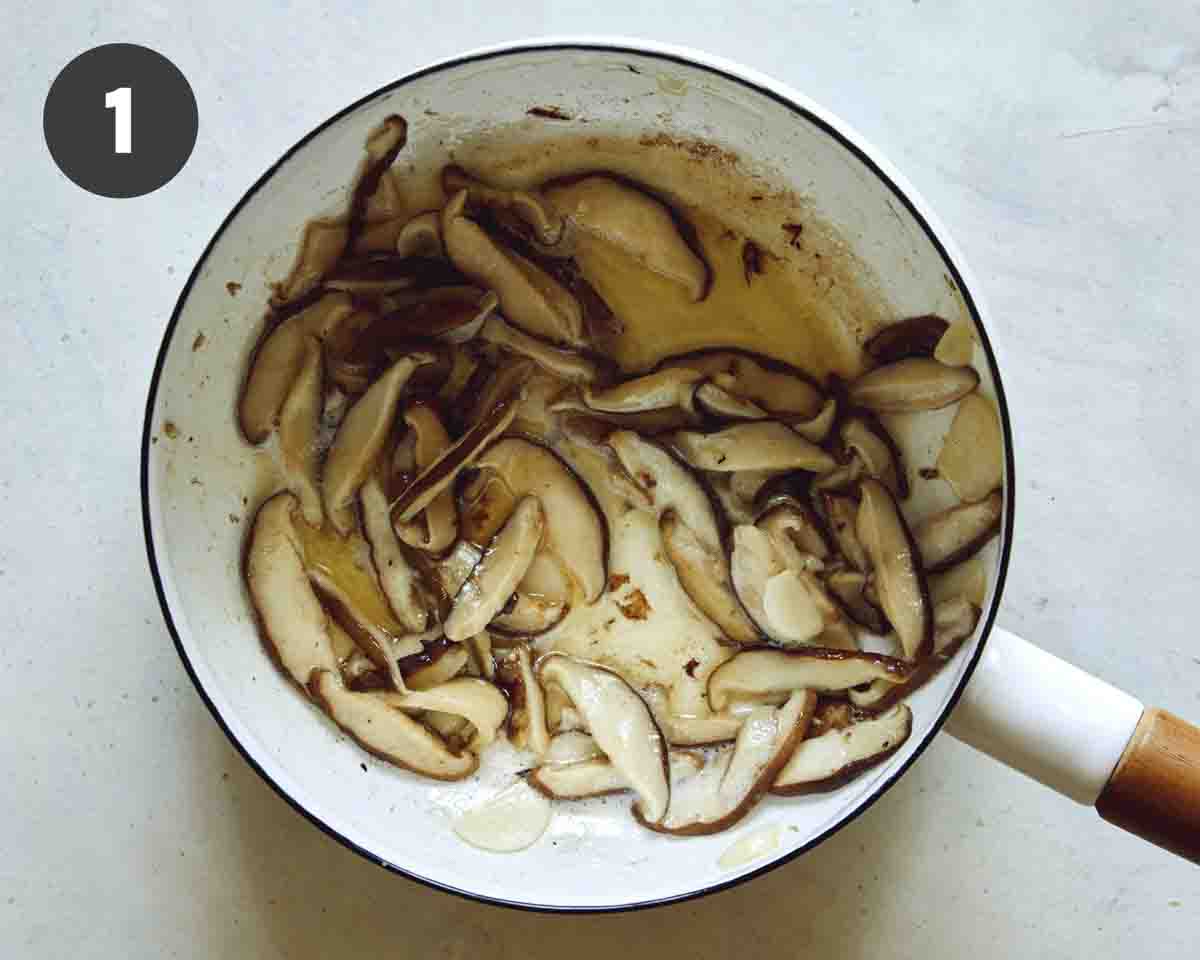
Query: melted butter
[779, 309]
[347, 562]
[750, 847]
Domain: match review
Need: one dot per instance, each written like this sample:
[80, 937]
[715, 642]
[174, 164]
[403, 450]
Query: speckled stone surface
[1060, 144]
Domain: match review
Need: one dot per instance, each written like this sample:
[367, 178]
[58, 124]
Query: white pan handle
[1044, 717]
[1087, 740]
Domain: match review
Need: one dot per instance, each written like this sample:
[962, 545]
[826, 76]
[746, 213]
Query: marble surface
[1058, 141]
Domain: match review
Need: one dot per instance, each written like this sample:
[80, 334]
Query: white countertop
[1060, 144]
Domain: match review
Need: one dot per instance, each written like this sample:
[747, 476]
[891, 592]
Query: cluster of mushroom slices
[458, 457]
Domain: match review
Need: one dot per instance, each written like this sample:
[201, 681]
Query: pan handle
[1086, 739]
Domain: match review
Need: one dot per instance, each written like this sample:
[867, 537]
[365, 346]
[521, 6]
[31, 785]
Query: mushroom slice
[527, 723]
[849, 587]
[911, 337]
[972, 455]
[361, 437]
[718, 402]
[384, 648]
[473, 699]
[791, 615]
[383, 145]
[834, 757]
[781, 392]
[896, 562]
[733, 781]
[440, 474]
[621, 724]
[957, 534]
[911, 385]
[704, 575]
[768, 674]
[843, 524]
[529, 296]
[693, 730]
[436, 664]
[498, 572]
[512, 820]
[397, 580]
[868, 440]
[598, 776]
[667, 483]
[655, 391]
[842, 480]
[293, 623]
[763, 445]
[278, 359]
[571, 746]
[421, 236]
[953, 622]
[374, 276]
[481, 654]
[635, 223]
[299, 422]
[956, 348]
[794, 529]
[437, 527]
[321, 246]
[817, 428]
[529, 616]
[453, 313]
[575, 534]
[598, 424]
[968, 580]
[564, 364]
[382, 730]
[534, 210]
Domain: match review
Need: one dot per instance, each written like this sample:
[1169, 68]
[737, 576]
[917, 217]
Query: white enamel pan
[1074, 733]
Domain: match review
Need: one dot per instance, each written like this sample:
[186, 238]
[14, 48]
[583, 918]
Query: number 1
[120, 101]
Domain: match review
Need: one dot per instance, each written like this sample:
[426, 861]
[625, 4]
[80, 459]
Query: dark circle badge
[120, 120]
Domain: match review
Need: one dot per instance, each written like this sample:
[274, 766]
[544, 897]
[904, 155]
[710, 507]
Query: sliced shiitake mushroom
[849, 587]
[838, 755]
[567, 365]
[842, 513]
[382, 730]
[734, 780]
[575, 534]
[972, 455]
[571, 746]
[868, 440]
[911, 385]
[767, 674]
[277, 360]
[790, 522]
[817, 427]
[321, 246]
[537, 213]
[421, 236]
[498, 572]
[436, 528]
[529, 296]
[440, 475]
[761, 445]
[668, 388]
[621, 724]
[954, 621]
[481, 654]
[598, 776]
[299, 423]
[911, 337]
[361, 437]
[957, 534]
[782, 392]
[896, 562]
[473, 699]
[785, 603]
[720, 403]
[374, 276]
[291, 619]
[704, 575]
[599, 423]
[383, 145]
[397, 579]
[635, 223]
[384, 648]
[529, 616]
[956, 348]
[440, 661]
[694, 729]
